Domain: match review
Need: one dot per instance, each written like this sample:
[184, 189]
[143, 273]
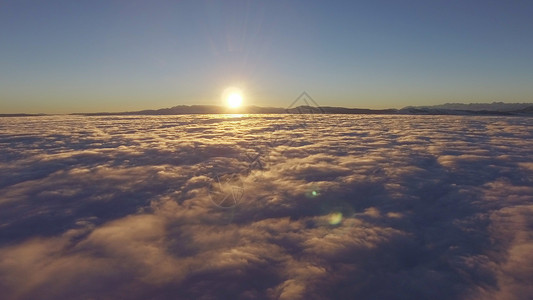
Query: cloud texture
[337, 207]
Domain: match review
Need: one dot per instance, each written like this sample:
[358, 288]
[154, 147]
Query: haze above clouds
[337, 207]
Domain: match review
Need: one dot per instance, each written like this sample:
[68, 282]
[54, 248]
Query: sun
[232, 97]
[234, 100]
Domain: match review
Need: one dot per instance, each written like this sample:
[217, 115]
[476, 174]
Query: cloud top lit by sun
[232, 97]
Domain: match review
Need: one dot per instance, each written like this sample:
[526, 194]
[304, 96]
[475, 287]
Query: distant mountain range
[495, 108]
[21, 115]
[213, 109]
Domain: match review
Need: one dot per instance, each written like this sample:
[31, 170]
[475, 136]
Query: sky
[91, 56]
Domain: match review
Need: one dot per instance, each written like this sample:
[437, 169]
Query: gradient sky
[89, 56]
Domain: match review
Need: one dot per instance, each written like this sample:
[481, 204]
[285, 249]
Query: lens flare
[335, 218]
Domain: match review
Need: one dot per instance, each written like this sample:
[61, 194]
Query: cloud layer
[345, 207]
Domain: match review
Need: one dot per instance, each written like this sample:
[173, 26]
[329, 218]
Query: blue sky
[87, 56]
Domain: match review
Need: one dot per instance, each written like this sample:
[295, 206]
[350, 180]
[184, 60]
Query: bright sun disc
[234, 100]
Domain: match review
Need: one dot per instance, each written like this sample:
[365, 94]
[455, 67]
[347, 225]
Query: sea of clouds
[328, 207]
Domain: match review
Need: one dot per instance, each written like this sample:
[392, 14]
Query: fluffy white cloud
[372, 207]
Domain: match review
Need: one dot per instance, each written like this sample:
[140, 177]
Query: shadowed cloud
[370, 207]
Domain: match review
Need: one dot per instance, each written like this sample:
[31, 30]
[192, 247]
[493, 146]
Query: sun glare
[234, 100]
